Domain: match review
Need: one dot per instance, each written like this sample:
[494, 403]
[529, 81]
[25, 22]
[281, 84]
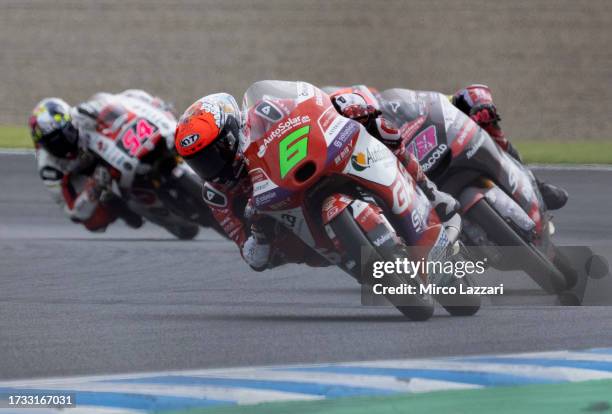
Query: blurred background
[548, 62]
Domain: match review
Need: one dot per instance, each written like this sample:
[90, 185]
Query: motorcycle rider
[476, 101]
[207, 138]
[71, 173]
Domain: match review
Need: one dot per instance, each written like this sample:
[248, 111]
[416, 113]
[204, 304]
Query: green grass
[533, 151]
[565, 152]
[14, 137]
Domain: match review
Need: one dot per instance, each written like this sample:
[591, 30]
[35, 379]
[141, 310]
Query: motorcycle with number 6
[340, 190]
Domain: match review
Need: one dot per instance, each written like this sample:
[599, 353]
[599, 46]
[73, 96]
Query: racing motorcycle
[147, 177]
[342, 192]
[504, 217]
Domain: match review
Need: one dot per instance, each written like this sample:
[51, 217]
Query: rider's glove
[487, 117]
[360, 113]
[485, 114]
[354, 106]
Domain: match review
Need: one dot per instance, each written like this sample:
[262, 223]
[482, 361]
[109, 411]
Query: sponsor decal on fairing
[261, 181]
[271, 197]
[280, 130]
[476, 144]
[341, 140]
[424, 143]
[360, 161]
[383, 171]
[434, 158]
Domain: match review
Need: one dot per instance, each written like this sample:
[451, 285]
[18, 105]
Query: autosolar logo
[361, 161]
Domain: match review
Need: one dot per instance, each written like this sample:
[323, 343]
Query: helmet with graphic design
[207, 137]
[51, 128]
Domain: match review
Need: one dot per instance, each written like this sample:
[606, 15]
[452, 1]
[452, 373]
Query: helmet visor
[62, 142]
[215, 161]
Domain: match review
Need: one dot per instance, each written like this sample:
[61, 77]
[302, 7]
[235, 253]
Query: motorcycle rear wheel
[187, 232]
[460, 305]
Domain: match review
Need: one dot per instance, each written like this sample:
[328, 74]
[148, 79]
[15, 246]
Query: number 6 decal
[293, 149]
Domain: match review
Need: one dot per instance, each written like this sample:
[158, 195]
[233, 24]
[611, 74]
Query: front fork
[372, 225]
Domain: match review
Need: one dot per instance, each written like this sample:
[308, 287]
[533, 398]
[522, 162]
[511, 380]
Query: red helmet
[207, 138]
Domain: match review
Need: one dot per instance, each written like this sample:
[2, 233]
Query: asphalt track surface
[76, 303]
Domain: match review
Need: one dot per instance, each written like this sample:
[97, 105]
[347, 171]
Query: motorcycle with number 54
[147, 176]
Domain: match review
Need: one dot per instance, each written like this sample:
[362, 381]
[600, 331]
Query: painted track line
[147, 392]
[571, 167]
[545, 167]
[17, 151]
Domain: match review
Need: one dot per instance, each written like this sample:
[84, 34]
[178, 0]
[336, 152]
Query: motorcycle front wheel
[358, 246]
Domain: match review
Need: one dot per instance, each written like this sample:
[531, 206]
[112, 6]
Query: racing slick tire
[186, 232]
[460, 305]
[534, 262]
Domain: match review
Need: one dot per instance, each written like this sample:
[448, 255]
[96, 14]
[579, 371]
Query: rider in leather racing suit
[475, 101]
[68, 170]
[207, 138]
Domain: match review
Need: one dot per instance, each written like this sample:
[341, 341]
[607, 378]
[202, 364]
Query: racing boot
[554, 197]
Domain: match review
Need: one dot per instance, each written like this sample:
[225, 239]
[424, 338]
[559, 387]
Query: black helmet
[52, 129]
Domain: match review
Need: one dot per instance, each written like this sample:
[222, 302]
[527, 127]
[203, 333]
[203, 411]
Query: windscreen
[266, 103]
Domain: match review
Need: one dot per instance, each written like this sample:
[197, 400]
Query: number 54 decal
[134, 137]
[293, 149]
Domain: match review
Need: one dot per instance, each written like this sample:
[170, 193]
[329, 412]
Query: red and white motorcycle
[147, 175]
[341, 191]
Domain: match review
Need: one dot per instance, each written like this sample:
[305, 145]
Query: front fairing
[291, 137]
[129, 138]
[424, 123]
